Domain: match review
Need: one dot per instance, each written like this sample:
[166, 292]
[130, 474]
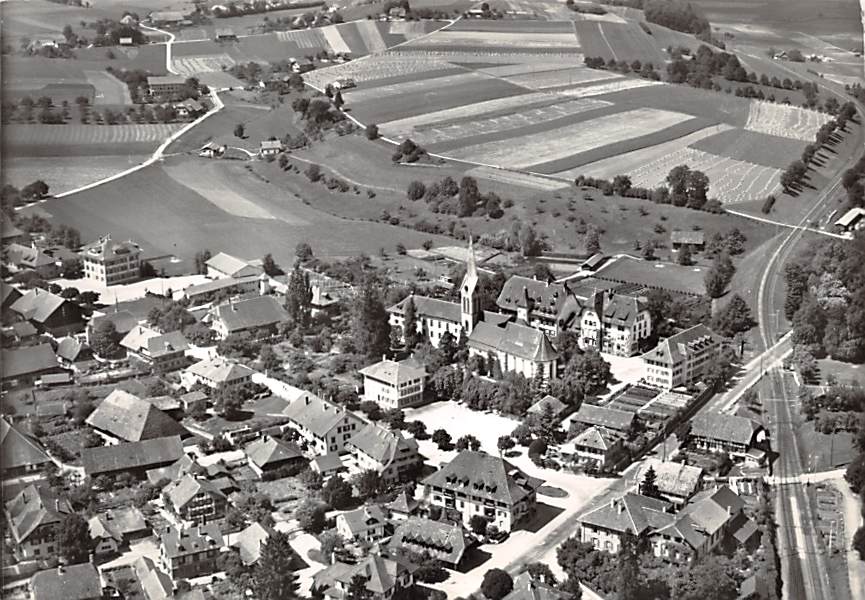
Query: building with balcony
[111, 262]
[194, 500]
[192, 552]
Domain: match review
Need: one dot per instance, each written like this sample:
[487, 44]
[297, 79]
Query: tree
[273, 577]
[648, 250]
[369, 323]
[468, 442]
[684, 257]
[71, 268]
[104, 339]
[496, 584]
[649, 486]
[337, 493]
[303, 252]
[719, 275]
[628, 569]
[310, 516]
[298, 296]
[201, 259]
[239, 129]
[372, 132]
[541, 572]
[479, 524]
[74, 539]
[859, 542]
[368, 483]
[416, 190]
[442, 439]
[357, 588]
[410, 334]
[733, 318]
[584, 374]
[713, 578]
[269, 359]
[35, 191]
[505, 443]
[329, 541]
[271, 269]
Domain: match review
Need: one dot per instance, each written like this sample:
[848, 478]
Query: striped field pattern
[73, 135]
[304, 38]
[785, 121]
[334, 39]
[371, 35]
[192, 65]
[376, 67]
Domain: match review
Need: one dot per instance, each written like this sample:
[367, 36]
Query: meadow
[84, 140]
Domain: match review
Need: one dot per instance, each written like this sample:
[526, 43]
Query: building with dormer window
[111, 262]
[681, 359]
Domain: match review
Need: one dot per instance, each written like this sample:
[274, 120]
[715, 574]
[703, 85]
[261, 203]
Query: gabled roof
[552, 402]
[599, 438]
[327, 462]
[620, 309]
[631, 512]
[431, 308]
[514, 339]
[69, 348]
[233, 266]
[174, 471]
[17, 449]
[271, 144]
[361, 519]
[688, 237]
[851, 216]
[28, 360]
[382, 445]
[132, 419]
[117, 523]
[711, 511]
[143, 339]
[27, 257]
[249, 542]
[180, 492]
[71, 582]
[219, 370]
[403, 504]
[537, 296]
[131, 455]
[192, 540]
[381, 574]
[267, 451]
[676, 347]
[32, 507]
[611, 418]
[37, 305]
[489, 477]
[316, 414]
[392, 372]
[209, 287]
[261, 311]
[677, 479]
[723, 427]
[155, 584]
[528, 588]
[446, 540]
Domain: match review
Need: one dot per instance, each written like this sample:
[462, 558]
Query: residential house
[111, 263]
[327, 465]
[852, 220]
[211, 150]
[127, 417]
[598, 447]
[194, 500]
[31, 258]
[604, 526]
[166, 86]
[434, 317]
[135, 458]
[441, 540]
[192, 552]
[216, 372]
[154, 584]
[226, 266]
[476, 483]
[695, 240]
[677, 482]
[527, 587]
[718, 432]
[393, 456]
[123, 321]
[393, 384]
[326, 427]
[34, 517]
[114, 528]
[26, 364]
[548, 404]
[174, 471]
[269, 455]
[70, 582]
[166, 17]
[516, 348]
[162, 351]
[402, 507]
[259, 314]
[194, 401]
[49, 312]
[71, 350]
[681, 359]
[364, 524]
[20, 453]
[613, 419]
[8, 296]
[270, 148]
[10, 234]
[384, 576]
[614, 323]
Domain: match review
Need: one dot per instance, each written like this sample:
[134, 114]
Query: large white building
[681, 359]
[326, 427]
[389, 453]
[393, 384]
[111, 262]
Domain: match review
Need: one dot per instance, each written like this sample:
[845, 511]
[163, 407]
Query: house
[718, 432]
[155, 585]
[619, 421]
[442, 541]
[194, 401]
[192, 552]
[70, 582]
[123, 321]
[517, 348]
[33, 259]
[194, 500]
[203, 293]
[695, 240]
[26, 364]
[216, 372]
[127, 417]
[365, 524]
[387, 452]
[327, 465]
[397, 12]
[190, 107]
[393, 384]
[269, 455]
[476, 483]
[9, 233]
[326, 427]
[677, 482]
[166, 85]
[604, 526]
[71, 350]
[549, 404]
[8, 296]
[614, 323]
[434, 317]
[852, 220]
[598, 446]
[270, 148]
[162, 351]
[226, 266]
[20, 453]
[114, 528]
[681, 359]
[402, 507]
[34, 517]
[257, 315]
[527, 587]
[174, 471]
[111, 263]
[225, 34]
[384, 576]
[166, 17]
[131, 457]
[167, 404]
[211, 150]
[49, 312]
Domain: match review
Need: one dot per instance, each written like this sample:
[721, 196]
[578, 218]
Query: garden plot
[548, 146]
[304, 38]
[334, 39]
[785, 121]
[524, 118]
[513, 178]
[408, 87]
[490, 39]
[189, 66]
[610, 87]
[374, 68]
[730, 180]
[371, 35]
[561, 78]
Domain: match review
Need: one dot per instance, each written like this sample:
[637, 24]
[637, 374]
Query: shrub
[372, 132]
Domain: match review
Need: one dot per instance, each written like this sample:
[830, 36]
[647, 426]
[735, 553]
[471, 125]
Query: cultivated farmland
[84, 140]
[374, 68]
[785, 121]
[609, 87]
[561, 78]
[499, 39]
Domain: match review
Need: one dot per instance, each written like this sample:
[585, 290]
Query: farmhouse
[224, 265]
[49, 313]
[33, 259]
[366, 524]
[162, 351]
[443, 541]
[268, 455]
[225, 34]
[216, 372]
[384, 576]
[604, 526]
[127, 417]
[26, 364]
[695, 240]
[261, 314]
[34, 517]
[387, 452]
[476, 483]
[591, 415]
[110, 262]
[852, 220]
[270, 148]
[681, 359]
[201, 293]
[193, 552]
[718, 432]
[135, 458]
[194, 500]
[166, 17]
[597, 446]
[677, 482]
[116, 527]
[8, 296]
[393, 384]
[20, 453]
[325, 426]
[70, 582]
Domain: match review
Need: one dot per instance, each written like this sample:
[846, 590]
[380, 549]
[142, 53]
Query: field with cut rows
[84, 140]
[561, 78]
[619, 41]
[374, 68]
[785, 121]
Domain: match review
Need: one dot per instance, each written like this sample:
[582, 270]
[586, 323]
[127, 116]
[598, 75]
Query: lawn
[844, 373]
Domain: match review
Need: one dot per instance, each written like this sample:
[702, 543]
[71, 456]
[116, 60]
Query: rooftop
[132, 455]
[104, 249]
[392, 372]
[37, 305]
[180, 542]
[315, 414]
[673, 478]
[232, 266]
[728, 428]
[71, 582]
[142, 339]
[18, 449]
[447, 540]
[27, 360]
[514, 339]
[219, 370]
[132, 419]
[260, 311]
[611, 418]
[431, 308]
[267, 451]
[382, 445]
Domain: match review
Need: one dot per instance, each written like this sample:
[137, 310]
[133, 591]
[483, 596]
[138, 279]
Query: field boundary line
[168, 44]
[787, 225]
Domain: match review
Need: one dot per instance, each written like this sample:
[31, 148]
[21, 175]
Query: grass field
[758, 148]
[561, 78]
[64, 173]
[84, 140]
[785, 121]
[619, 41]
[374, 68]
[608, 87]
[499, 39]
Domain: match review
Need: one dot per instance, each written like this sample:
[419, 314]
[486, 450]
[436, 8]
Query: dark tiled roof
[364, 518]
[538, 296]
[267, 451]
[382, 445]
[27, 257]
[432, 308]
[71, 582]
[132, 419]
[445, 541]
[381, 574]
[527, 588]
[69, 348]
[393, 372]
[315, 414]
[131, 455]
[673, 478]
[34, 506]
[193, 540]
[611, 418]
[676, 347]
[220, 370]
[630, 512]
[261, 311]
[28, 360]
[514, 339]
[37, 305]
[17, 449]
[726, 428]
[548, 401]
[180, 492]
[403, 504]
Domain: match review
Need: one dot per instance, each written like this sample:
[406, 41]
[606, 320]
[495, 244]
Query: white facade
[430, 327]
[393, 395]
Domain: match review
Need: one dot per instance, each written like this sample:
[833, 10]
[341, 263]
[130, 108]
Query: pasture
[759, 148]
[64, 173]
[619, 41]
[84, 140]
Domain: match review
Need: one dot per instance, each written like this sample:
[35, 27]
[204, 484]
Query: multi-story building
[326, 427]
[192, 552]
[443, 541]
[389, 453]
[111, 262]
[719, 432]
[476, 483]
[162, 351]
[366, 523]
[681, 359]
[20, 453]
[254, 315]
[216, 372]
[614, 324]
[393, 384]
[167, 86]
[194, 500]
[49, 313]
[34, 517]
[515, 347]
[384, 577]
[605, 526]
[598, 446]
[70, 582]
[434, 317]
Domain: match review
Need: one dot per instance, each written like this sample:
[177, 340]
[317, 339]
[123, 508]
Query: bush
[497, 584]
[372, 132]
[538, 448]
[416, 190]
[768, 203]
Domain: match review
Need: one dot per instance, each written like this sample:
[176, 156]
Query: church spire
[468, 291]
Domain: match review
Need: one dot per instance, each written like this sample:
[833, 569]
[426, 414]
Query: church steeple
[468, 292]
